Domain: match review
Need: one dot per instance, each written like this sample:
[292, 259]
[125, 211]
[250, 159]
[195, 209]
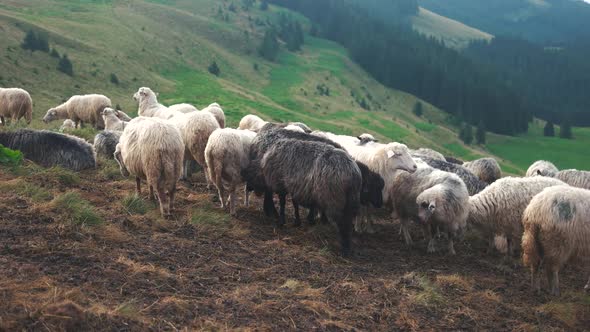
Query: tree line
[402, 59]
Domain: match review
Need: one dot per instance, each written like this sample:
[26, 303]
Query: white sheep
[385, 160]
[556, 232]
[112, 121]
[15, 104]
[123, 116]
[152, 149]
[486, 169]
[575, 178]
[429, 153]
[543, 168]
[497, 210]
[294, 128]
[227, 154]
[365, 139]
[81, 109]
[149, 106]
[217, 112]
[195, 129]
[301, 125]
[252, 122]
[182, 108]
[67, 126]
[432, 197]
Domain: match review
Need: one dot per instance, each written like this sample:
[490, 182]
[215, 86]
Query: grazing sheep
[15, 104]
[252, 122]
[575, 178]
[432, 198]
[182, 108]
[106, 142]
[428, 153]
[486, 169]
[227, 154]
[556, 232]
[50, 149]
[67, 125]
[195, 129]
[152, 149]
[543, 168]
[123, 116]
[112, 121]
[149, 106]
[473, 183]
[316, 175]
[497, 210]
[301, 125]
[81, 109]
[454, 160]
[294, 128]
[217, 112]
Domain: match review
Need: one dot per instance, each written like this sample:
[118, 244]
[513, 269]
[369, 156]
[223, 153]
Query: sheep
[431, 197]
[575, 178]
[112, 121]
[365, 139]
[301, 125]
[497, 210]
[316, 175]
[50, 149]
[182, 108]
[106, 142]
[227, 154]
[81, 109]
[543, 168]
[252, 122]
[15, 104]
[556, 232]
[429, 153]
[152, 149]
[123, 116]
[486, 169]
[217, 112]
[454, 160]
[294, 128]
[67, 125]
[473, 183]
[149, 106]
[343, 140]
[195, 129]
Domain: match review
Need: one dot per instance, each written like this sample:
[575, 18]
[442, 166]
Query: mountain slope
[454, 33]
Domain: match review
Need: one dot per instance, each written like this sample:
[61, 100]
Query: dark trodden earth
[129, 269]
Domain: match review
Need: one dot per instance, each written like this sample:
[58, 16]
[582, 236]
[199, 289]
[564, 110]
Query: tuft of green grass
[76, 210]
[87, 133]
[26, 189]
[109, 170]
[427, 293]
[135, 205]
[210, 219]
[10, 157]
[60, 175]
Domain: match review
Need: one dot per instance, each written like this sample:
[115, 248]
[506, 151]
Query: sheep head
[425, 210]
[366, 138]
[50, 115]
[398, 157]
[144, 93]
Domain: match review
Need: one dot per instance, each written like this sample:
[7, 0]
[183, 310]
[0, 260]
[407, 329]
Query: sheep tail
[211, 166]
[532, 251]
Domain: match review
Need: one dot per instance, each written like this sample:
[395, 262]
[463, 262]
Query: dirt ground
[202, 270]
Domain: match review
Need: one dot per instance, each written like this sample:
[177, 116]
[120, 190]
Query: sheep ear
[431, 207]
[390, 154]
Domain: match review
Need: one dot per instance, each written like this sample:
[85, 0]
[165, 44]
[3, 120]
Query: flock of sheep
[339, 178]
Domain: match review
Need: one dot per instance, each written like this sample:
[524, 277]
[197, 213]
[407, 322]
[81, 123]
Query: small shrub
[54, 53]
[214, 69]
[76, 210]
[134, 205]
[36, 193]
[10, 157]
[114, 79]
[65, 65]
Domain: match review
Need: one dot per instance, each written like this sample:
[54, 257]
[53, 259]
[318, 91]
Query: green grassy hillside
[168, 45]
[454, 33]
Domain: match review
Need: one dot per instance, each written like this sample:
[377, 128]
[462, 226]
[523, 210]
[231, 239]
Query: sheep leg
[406, 232]
[269, 205]
[345, 230]
[246, 196]
[3, 120]
[451, 236]
[232, 200]
[431, 240]
[535, 279]
[587, 287]
[296, 208]
[172, 194]
[510, 246]
[324, 219]
[152, 197]
[311, 215]
[163, 199]
[137, 186]
[220, 191]
[553, 277]
[282, 202]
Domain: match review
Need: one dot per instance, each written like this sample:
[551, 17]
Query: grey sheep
[454, 160]
[50, 149]
[486, 169]
[497, 210]
[556, 232]
[105, 143]
[428, 153]
[473, 183]
[432, 198]
[542, 168]
[315, 175]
